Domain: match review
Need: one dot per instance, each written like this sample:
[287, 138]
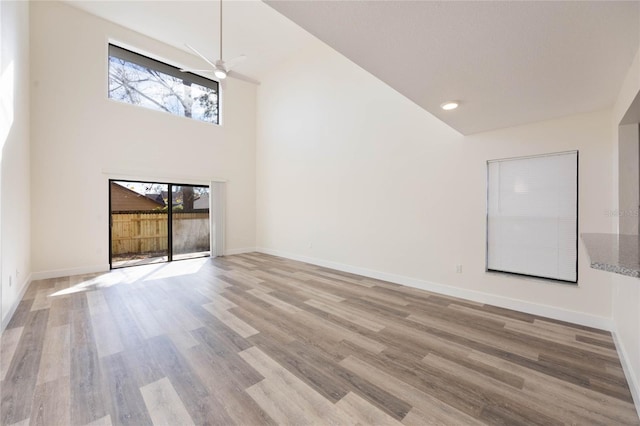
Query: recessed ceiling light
[448, 106]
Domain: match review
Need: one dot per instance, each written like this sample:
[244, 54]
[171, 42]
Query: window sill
[616, 253]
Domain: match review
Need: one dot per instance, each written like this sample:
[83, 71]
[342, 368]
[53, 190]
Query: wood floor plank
[255, 339]
[357, 411]
[192, 391]
[241, 281]
[346, 314]
[130, 334]
[42, 299]
[342, 333]
[286, 387]
[220, 303]
[231, 404]
[103, 421]
[406, 337]
[314, 293]
[517, 408]
[426, 409]
[595, 372]
[56, 354]
[184, 318]
[274, 301]
[20, 381]
[335, 279]
[87, 387]
[428, 381]
[52, 400]
[164, 404]
[126, 404]
[183, 340]
[326, 363]
[263, 326]
[298, 364]
[222, 332]
[107, 336]
[502, 343]
[419, 416]
[97, 303]
[59, 310]
[142, 365]
[606, 352]
[21, 314]
[144, 318]
[562, 395]
[232, 321]
[608, 344]
[277, 405]
[303, 325]
[375, 306]
[223, 354]
[10, 338]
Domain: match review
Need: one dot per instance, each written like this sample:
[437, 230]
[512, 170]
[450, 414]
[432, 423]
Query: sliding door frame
[170, 187]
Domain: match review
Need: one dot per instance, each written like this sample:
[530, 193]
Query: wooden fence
[146, 232]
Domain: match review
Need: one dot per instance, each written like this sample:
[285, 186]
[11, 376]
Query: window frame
[577, 245]
[114, 50]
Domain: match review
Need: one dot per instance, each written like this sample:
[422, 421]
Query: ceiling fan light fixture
[450, 105]
[221, 74]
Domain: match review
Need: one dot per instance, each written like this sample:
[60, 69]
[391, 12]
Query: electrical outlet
[9, 280]
[458, 269]
[310, 245]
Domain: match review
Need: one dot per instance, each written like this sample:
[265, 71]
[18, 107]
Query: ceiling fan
[220, 68]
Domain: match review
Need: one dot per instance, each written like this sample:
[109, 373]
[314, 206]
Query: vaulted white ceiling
[508, 62]
[250, 27]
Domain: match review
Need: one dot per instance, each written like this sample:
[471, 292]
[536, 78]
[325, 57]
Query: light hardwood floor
[255, 339]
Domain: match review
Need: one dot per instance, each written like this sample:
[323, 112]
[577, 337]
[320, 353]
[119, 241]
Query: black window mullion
[110, 229]
[170, 224]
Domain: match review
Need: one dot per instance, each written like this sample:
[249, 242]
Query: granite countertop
[617, 253]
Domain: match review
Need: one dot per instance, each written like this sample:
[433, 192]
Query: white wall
[80, 138]
[626, 316]
[353, 175]
[626, 290]
[14, 157]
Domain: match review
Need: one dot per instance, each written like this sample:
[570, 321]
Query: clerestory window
[139, 80]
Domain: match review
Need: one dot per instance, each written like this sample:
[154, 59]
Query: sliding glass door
[190, 224]
[154, 222]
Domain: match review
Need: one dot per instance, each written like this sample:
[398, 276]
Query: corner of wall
[15, 147]
[12, 310]
[628, 368]
[626, 290]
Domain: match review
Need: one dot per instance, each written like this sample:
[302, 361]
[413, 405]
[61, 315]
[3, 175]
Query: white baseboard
[239, 251]
[634, 386]
[14, 305]
[57, 273]
[553, 312]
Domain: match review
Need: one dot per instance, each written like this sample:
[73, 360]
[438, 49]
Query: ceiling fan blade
[194, 70]
[235, 61]
[238, 76]
[202, 56]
